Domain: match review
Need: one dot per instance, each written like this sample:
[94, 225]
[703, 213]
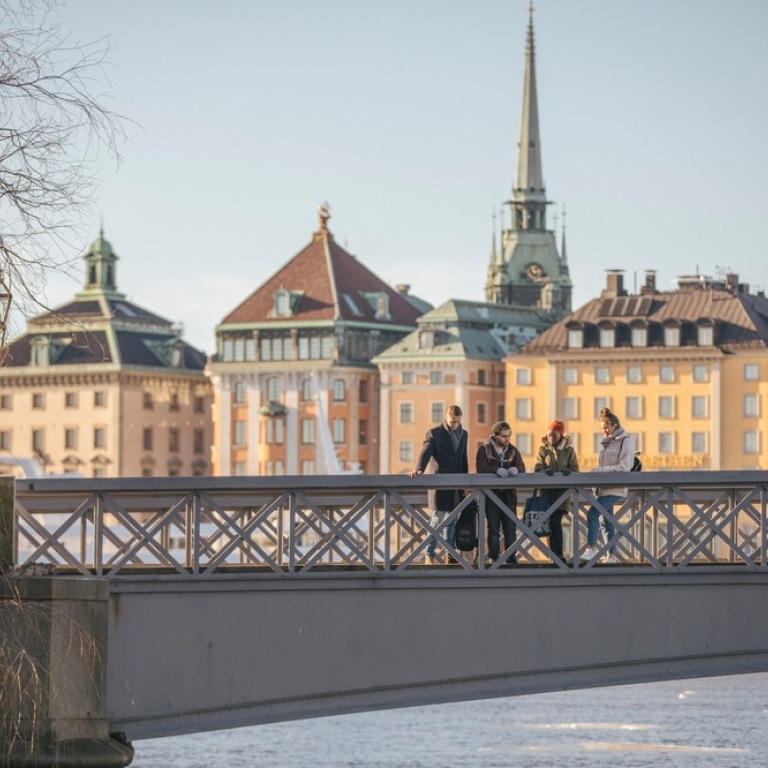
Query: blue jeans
[593, 521]
[449, 533]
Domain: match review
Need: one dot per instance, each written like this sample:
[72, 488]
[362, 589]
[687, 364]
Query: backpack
[466, 528]
[637, 464]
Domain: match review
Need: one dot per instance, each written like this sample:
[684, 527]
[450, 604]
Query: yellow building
[686, 372]
[102, 387]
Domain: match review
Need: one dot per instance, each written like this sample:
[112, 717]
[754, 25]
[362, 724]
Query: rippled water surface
[708, 722]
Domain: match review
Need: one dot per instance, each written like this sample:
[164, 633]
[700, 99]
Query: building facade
[528, 270]
[455, 357]
[102, 387]
[686, 372]
[295, 388]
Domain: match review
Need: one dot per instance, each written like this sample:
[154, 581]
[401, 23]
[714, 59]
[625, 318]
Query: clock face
[534, 271]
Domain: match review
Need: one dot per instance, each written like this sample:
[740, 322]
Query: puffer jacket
[559, 458]
[616, 455]
[488, 461]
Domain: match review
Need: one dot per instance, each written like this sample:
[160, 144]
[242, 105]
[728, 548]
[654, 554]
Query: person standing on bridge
[617, 454]
[499, 457]
[556, 454]
[445, 447]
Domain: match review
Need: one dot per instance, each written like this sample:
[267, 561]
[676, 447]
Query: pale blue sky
[404, 116]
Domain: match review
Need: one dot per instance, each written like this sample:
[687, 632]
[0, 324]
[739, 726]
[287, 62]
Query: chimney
[614, 284]
[650, 282]
[403, 288]
[732, 282]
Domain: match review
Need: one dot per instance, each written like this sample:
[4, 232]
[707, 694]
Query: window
[607, 337]
[227, 351]
[198, 441]
[481, 413]
[501, 379]
[672, 336]
[570, 376]
[339, 431]
[634, 407]
[751, 441]
[437, 411]
[602, 375]
[639, 337]
[147, 439]
[239, 432]
[699, 407]
[751, 372]
[522, 409]
[275, 389]
[500, 412]
[698, 442]
[328, 345]
[362, 437]
[306, 389]
[308, 467]
[303, 348]
[99, 399]
[362, 392]
[481, 377]
[175, 406]
[598, 404]
[700, 373]
[405, 450]
[149, 401]
[38, 439]
[279, 431]
[523, 376]
[666, 442]
[339, 390]
[239, 468]
[279, 467]
[597, 441]
[5, 403]
[706, 335]
[406, 413]
[575, 339]
[666, 407]
[436, 377]
[667, 374]
[250, 349]
[751, 406]
[70, 399]
[314, 347]
[37, 400]
[570, 408]
[99, 437]
[523, 442]
[5, 440]
[269, 432]
[239, 394]
[173, 440]
[307, 431]
[407, 377]
[634, 374]
[199, 405]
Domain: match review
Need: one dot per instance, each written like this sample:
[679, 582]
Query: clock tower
[528, 270]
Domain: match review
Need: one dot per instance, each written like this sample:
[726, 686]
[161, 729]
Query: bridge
[236, 601]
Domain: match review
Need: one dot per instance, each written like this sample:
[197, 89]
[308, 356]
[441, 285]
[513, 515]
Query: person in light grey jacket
[616, 455]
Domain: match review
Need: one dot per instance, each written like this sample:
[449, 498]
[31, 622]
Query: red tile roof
[330, 285]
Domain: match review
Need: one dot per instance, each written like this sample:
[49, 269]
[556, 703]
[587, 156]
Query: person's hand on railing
[549, 471]
[501, 472]
[414, 472]
[512, 471]
[566, 471]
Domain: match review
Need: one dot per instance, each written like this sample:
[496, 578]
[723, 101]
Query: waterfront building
[686, 372]
[102, 387]
[528, 270]
[455, 357]
[295, 387]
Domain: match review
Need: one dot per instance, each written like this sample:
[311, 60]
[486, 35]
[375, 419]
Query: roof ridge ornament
[323, 214]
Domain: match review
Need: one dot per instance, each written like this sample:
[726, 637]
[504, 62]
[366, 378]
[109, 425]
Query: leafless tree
[54, 130]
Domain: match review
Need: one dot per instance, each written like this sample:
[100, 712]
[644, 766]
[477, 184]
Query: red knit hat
[557, 426]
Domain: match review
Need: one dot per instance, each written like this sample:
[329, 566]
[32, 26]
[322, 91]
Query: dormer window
[379, 304]
[575, 338]
[639, 336]
[705, 333]
[672, 336]
[426, 339]
[39, 351]
[608, 337]
[282, 303]
[177, 356]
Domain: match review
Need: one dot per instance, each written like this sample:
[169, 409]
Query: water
[719, 722]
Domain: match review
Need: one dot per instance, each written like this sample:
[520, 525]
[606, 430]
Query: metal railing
[297, 526]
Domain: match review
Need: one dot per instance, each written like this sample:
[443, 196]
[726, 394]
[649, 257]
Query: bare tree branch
[53, 126]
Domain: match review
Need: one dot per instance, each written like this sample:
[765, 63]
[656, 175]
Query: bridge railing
[299, 526]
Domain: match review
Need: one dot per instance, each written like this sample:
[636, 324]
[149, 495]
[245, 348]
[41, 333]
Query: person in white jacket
[616, 455]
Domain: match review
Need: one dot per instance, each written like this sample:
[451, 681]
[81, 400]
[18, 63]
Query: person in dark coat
[445, 447]
[499, 457]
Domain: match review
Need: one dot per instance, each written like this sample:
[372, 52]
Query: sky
[404, 116]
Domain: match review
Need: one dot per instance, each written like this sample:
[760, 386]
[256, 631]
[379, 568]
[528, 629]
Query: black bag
[535, 508]
[466, 528]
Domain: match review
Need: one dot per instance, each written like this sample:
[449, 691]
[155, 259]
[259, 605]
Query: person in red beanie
[556, 454]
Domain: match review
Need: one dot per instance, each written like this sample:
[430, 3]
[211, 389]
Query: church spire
[529, 178]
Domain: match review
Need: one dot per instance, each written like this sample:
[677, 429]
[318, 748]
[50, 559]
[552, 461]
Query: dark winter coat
[438, 451]
[488, 461]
